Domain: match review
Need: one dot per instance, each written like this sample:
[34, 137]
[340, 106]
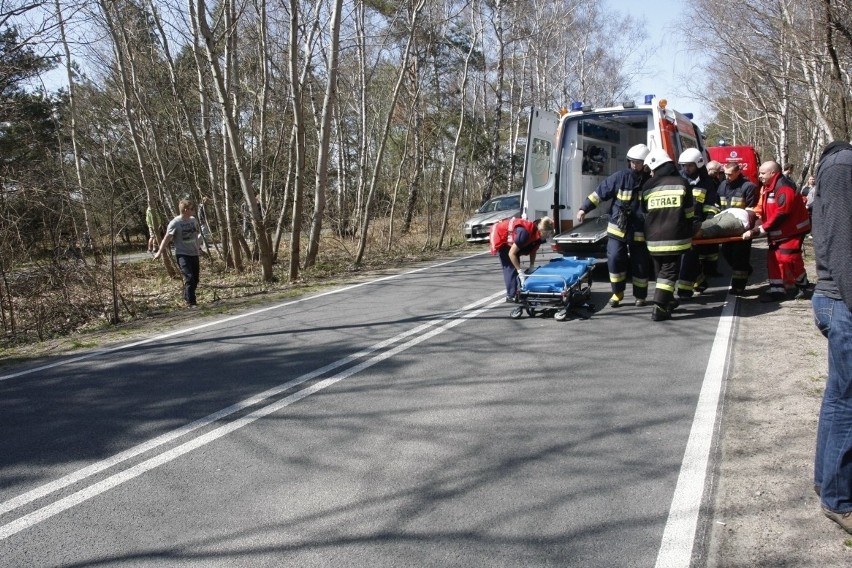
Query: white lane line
[225, 320]
[679, 534]
[41, 491]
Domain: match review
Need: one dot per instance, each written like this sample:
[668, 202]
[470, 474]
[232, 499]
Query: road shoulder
[765, 512]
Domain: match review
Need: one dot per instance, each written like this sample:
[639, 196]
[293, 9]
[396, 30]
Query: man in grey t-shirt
[185, 232]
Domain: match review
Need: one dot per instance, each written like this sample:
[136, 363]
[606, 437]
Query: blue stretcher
[561, 287]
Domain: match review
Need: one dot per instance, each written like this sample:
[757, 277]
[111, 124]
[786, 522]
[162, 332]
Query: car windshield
[505, 203]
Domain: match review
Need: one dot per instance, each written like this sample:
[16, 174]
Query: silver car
[478, 228]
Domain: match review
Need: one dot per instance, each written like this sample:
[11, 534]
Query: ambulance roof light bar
[576, 105]
[649, 98]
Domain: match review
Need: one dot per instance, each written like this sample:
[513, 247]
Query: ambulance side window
[540, 164]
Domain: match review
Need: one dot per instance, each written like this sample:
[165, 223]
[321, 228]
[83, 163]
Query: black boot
[660, 313]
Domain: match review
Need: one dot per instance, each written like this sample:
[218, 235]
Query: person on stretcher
[731, 222]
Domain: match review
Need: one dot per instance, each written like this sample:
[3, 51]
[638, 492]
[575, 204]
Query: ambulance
[571, 152]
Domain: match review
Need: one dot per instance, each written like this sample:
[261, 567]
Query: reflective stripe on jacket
[623, 188]
[739, 193]
[668, 205]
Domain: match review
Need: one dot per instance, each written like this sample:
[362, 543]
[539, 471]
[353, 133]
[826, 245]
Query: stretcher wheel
[561, 315]
[516, 313]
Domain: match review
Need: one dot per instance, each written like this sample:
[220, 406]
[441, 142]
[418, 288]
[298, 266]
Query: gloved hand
[522, 278]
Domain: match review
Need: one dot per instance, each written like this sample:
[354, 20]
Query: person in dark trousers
[669, 213]
[709, 254]
[625, 237]
[185, 231]
[513, 238]
[737, 191]
[691, 278]
[832, 305]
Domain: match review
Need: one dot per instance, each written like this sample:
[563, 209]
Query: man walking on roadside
[185, 232]
[832, 305]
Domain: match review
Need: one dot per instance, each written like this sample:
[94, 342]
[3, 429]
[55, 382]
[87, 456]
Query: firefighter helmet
[657, 158]
[692, 156]
[637, 152]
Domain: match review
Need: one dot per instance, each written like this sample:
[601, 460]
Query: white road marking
[679, 534]
[179, 332]
[39, 515]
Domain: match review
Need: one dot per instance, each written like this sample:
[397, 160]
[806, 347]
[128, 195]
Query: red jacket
[503, 234]
[785, 216]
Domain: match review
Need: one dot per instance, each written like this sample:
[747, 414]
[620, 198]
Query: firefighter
[625, 237]
[786, 222]
[709, 254]
[737, 191]
[668, 206]
[706, 204]
[513, 238]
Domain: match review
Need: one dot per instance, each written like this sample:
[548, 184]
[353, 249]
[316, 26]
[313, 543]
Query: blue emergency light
[649, 98]
[688, 115]
[576, 105]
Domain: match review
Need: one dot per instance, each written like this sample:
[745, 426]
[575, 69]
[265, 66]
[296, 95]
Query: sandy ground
[765, 512]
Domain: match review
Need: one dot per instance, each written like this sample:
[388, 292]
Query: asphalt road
[406, 421]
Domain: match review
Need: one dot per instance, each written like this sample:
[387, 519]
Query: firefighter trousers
[738, 257]
[620, 255]
[667, 268]
[690, 273]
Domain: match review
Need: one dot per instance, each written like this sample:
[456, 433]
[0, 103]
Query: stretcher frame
[723, 240]
[569, 301]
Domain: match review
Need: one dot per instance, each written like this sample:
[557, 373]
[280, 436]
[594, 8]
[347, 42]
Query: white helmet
[657, 158]
[637, 152]
[692, 156]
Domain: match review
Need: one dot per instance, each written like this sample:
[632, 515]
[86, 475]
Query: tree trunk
[382, 142]
[321, 187]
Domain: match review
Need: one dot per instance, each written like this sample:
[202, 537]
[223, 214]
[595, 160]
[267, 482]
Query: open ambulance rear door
[538, 195]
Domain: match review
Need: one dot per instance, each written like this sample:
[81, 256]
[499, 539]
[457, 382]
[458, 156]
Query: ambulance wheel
[516, 313]
[561, 315]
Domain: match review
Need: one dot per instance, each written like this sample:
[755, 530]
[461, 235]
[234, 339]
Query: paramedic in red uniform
[785, 224]
[625, 236]
[513, 238]
[669, 213]
[737, 191]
